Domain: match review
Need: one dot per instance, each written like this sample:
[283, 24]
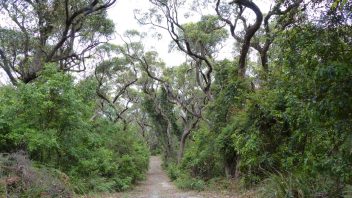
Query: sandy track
[158, 185]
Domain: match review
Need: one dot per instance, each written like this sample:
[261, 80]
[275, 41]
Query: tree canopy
[274, 117]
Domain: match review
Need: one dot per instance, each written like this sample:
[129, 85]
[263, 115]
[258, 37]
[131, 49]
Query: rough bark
[6, 67]
[230, 166]
[184, 136]
[263, 48]
[250, 31]
[169, 10]
[186, 131]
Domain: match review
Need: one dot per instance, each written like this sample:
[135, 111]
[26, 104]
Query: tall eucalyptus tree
[38, 32]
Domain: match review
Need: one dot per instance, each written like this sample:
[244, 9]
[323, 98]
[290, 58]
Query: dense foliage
[51, 120]
[279, 125]
[294, 132]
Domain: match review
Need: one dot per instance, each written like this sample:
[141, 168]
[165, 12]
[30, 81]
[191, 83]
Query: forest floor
[158, 185]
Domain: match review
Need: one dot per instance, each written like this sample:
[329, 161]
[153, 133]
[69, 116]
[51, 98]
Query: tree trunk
[169, 140]
[264, 60]
[184, 136]
[250, 31]
[230, 166]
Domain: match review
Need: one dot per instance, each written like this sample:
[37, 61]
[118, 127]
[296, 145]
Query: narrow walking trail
[158, 185]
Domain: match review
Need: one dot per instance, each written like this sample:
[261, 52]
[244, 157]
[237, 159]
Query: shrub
[19, 178]
[202, 157]
[173, 171]
[301, 185]
[50, 118]
[120, 160]
[189, 183]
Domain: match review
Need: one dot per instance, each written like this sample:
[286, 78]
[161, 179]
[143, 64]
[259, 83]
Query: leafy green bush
[201, 158]
[106, 170]
[189, 183]
[173, 171]
[51, 119]
[278, 185]
[300, 122]
[294, 131]
[299, 185]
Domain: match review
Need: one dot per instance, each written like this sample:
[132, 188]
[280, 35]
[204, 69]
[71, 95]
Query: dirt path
[158, 185]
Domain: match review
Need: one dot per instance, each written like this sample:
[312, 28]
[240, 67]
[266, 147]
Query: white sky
[122, 15]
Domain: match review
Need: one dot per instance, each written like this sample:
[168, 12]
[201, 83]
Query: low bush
[173, 171]
[19, 178]
[51, 119]
[300, 185]
[201, 157]
[117, 161]
[188, 183]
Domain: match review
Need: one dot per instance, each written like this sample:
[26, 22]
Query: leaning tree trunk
[184, 136]
[249, 33]
[264, 61]
[169, 139]
[169, 149]
[189, 126]
[230, 166]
